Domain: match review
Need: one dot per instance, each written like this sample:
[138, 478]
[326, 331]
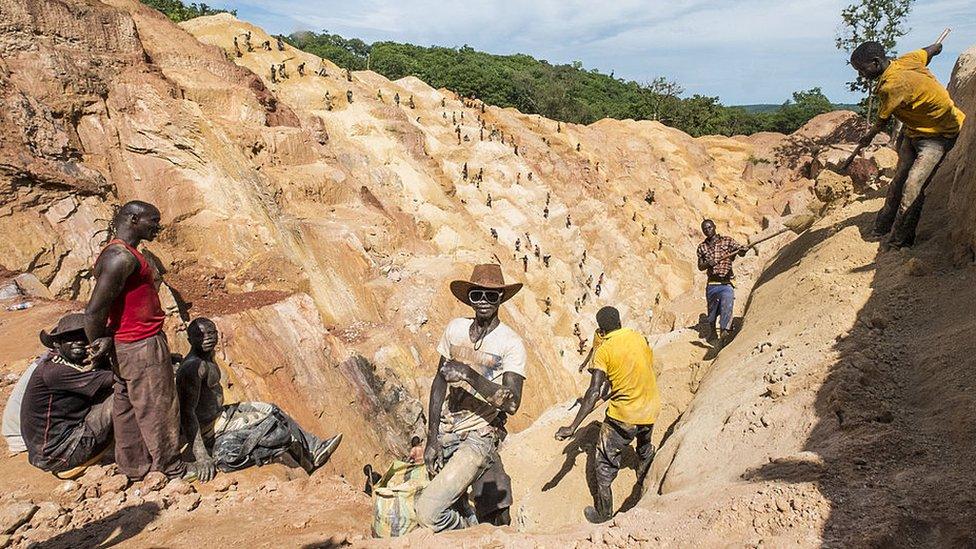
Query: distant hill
[566, 92]
[772, 107]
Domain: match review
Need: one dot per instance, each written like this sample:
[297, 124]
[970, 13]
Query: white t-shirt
[499, 352]
[11, 413]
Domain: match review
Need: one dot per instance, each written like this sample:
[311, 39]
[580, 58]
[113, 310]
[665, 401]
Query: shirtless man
[234, 436]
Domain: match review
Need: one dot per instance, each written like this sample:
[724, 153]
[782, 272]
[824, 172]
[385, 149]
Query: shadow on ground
[112, 530]
[895, 427]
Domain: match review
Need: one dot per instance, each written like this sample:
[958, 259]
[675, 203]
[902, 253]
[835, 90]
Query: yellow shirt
[597, 340]
[908, 90]
[628, 362]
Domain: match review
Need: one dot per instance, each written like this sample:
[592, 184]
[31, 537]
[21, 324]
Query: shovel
[798, 223]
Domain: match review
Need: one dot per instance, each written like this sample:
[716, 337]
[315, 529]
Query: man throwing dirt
[908, 90]
[124, 312]
[483, 365]
[715, 256]
[626, 361]
[234, 436]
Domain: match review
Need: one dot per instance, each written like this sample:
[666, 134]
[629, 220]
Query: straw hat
[487, 276]
[69, 323]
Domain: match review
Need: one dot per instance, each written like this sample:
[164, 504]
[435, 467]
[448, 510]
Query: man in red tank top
[124, 313]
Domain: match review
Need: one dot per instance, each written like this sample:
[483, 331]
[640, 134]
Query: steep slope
[839, 416]
[321, 237]
[322, 241]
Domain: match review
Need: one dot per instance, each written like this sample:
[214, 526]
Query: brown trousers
[146, 410]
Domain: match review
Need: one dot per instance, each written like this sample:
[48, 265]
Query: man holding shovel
[908, 90]
[715, 256]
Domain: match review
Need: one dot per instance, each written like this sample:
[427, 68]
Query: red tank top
[136, 313]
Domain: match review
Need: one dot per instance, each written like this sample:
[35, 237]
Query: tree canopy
[178, 11]
[566, 92]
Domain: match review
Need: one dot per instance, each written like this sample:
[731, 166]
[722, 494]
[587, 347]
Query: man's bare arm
[438, 391]
[702, 263]
[501, 396]
[589, 356]
[877, 128]
[513, 382]
[111, 272]
[587, 403]
[932, 51]
[189, 380]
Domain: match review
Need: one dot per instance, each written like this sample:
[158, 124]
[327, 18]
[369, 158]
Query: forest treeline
[566, 92]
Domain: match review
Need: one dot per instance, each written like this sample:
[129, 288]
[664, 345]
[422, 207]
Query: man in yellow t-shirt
[908, 90]
[626, 361]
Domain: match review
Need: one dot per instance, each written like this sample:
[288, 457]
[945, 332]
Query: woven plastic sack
[393, 499]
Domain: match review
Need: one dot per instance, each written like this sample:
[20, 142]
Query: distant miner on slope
[908, 90]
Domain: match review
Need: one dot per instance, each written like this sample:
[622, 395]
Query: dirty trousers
[918, 161]
[89, 437]
[720, 299]
[467, 457]
[254, 433]
[145, 409]
[615, 435]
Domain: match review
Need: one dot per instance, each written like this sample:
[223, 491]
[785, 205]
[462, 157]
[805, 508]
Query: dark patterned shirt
[719, 247]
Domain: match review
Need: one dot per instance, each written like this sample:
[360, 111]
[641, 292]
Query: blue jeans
[720, 298]
[466, 457]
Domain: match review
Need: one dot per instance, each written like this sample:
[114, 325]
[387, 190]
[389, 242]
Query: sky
[743, 51]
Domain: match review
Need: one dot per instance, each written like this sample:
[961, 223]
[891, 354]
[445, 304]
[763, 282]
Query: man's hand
[866, 139]
[432, 456]
[501, 397]
[564, 433]
[203, 469]
[453, 371]
[99, 348]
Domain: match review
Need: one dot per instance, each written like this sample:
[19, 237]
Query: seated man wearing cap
[480, 374]
[66, 414]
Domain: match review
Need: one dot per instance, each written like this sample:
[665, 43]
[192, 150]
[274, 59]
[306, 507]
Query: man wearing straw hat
[66, 415]
[477, 385]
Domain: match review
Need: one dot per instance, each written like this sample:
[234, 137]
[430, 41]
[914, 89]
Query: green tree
[567, 92]
[178, 12]
[804, 106]
[881, 21]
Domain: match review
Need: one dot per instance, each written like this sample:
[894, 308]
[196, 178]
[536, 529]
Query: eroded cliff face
[952, 190]
[321, 233]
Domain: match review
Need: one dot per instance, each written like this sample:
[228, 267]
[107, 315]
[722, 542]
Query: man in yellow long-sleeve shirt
[908, 90]
[626, 361]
